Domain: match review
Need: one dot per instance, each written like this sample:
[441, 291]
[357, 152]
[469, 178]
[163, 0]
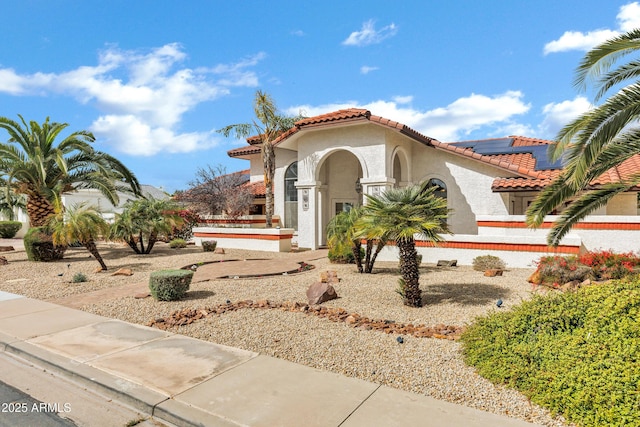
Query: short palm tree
[9, 201]
[341, 235]
[598, 140]
[144, 221]
[33, 164]
[401, 214]
[269, 126]
[78, 224]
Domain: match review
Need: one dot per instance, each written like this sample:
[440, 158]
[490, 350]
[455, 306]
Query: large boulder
[320, 292]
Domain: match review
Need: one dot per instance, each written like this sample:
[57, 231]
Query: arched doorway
[340, 189]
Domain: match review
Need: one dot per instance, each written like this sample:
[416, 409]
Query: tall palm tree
[268, 126]
[144, 221]
[598, 140]
[78, 224]
[401, 214]
[33, 164]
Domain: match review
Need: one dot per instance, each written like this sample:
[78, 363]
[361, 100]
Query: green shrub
[209, 245]
[343, 255]
[177, 243]
[79, 278]
[169, 285]
[573, 353]
[488, 262]
[39, 246]
[9, 229]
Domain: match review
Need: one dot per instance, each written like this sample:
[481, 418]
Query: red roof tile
[534, 171]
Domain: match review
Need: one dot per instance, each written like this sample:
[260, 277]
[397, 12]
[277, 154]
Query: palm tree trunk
[141, 243]
[269, 163]
[39, 209]
[410, 273]
[355, 249]
[93, 250]
[153, 237]
[381, 244]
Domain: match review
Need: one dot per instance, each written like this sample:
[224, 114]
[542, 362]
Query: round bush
[488, 262]
[9, 229]
[39, 246]
[169, 285]
[177, 244]
[209, 245]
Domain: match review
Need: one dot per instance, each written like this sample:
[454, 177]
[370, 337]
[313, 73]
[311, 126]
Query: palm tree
[348, 229]
[34, 165]
[401, 214]
[269, 126]
[341, 235]
[144, 221]
[9, 201]
[598, 140]
[78, 224]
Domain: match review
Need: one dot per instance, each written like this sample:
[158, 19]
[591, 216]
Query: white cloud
[628, 18]
[403, 99]
[143, 95]
[557, 115]
[369, 35]
[366, 69]
[449, 123]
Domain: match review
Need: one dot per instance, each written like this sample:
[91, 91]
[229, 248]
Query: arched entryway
[339, 176]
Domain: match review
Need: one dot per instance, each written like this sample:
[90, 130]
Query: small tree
[9, 201]
[144, 221]
[214, 191]
[78, 224]
[400, 214]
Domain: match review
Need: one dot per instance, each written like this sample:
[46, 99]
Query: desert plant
[169, 285]
[209, 245]
[39, 246]
[574, 353]
[488, 262]
[79, 278]
[344, 255]
[177, 244]
[8, 229]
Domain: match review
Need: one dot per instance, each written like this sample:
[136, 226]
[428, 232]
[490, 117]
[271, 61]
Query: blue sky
[153, 80]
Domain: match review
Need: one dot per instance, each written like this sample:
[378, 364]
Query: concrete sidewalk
[188, 382]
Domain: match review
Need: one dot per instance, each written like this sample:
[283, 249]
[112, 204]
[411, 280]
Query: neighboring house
[326, 163]
[95, 198]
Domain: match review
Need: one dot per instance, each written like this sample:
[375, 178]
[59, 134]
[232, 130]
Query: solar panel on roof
[493, 147]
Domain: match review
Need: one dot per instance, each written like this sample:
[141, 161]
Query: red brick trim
[515, 247]
[244, 236]
[580, 225]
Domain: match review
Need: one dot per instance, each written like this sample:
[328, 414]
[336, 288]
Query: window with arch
[441, 187]
[291, 196]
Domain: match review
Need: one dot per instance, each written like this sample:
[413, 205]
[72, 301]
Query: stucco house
[325, 164]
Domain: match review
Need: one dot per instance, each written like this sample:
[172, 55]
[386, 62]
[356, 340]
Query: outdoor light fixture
[358, 186]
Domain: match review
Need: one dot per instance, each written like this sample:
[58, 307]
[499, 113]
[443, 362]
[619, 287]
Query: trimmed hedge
[9, 229]
[575, 353]
[170, 285]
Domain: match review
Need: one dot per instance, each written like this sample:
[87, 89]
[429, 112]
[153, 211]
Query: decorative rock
[329, 277]
[6, 248]
[219, 251]
[98, 270]
[123, 272]
[3, 261]
[142, 295]
[570, 286]
[447, 263]
[493, 272]
[535, 278]
[320, 292]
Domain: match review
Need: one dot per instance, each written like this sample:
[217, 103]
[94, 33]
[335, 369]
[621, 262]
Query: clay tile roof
[258, 188]
[243, 151]
[342, 115]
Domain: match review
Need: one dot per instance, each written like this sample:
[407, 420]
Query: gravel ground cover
[434, 367]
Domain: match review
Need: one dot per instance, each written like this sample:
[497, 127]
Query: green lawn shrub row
[575, 353]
